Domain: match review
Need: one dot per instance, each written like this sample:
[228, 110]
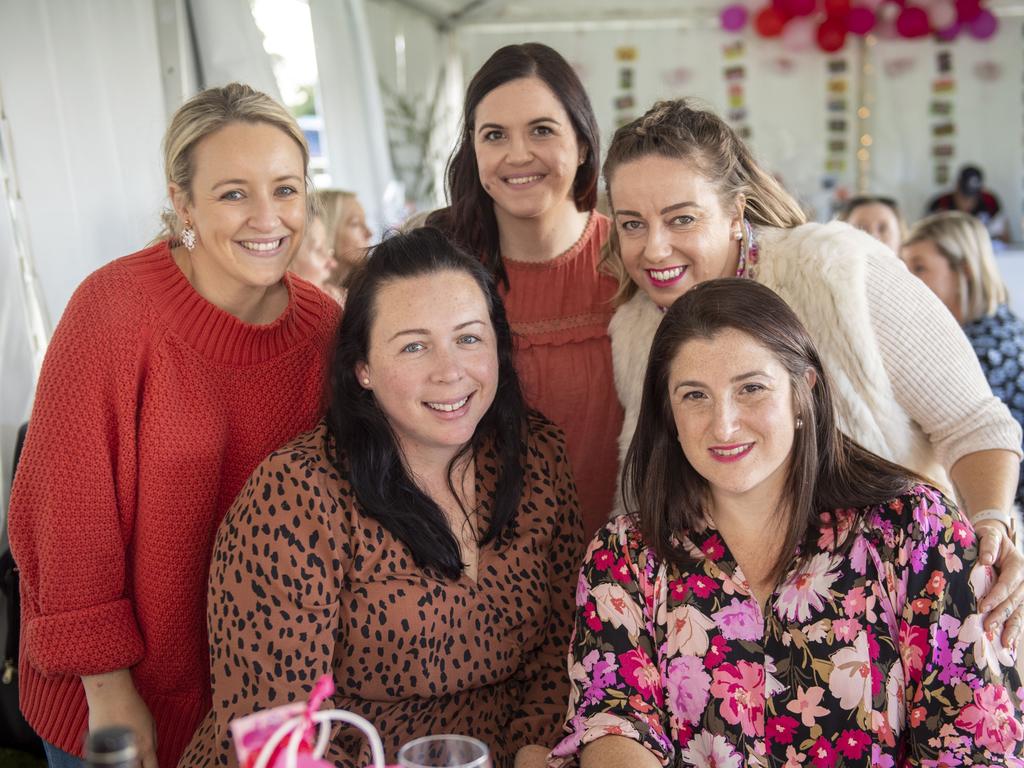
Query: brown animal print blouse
[303, 584]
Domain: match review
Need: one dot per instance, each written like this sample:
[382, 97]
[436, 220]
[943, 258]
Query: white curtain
[229, 46]
[357, 144]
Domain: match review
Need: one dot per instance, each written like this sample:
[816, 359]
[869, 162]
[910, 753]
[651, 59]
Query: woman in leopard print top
[420, 545]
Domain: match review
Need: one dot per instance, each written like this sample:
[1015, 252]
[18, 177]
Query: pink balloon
[942, 14]
[860, 20]
[984, 26]
[798, 34]
[949, 33]
[734, 17]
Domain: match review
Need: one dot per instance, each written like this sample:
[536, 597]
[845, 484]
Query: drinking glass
[447, 751]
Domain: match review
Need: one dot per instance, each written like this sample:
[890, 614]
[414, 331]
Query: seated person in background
[315, 261]
[776, 592]
[878, 216]
[970, 196]
[347, 234]
[421, 544]
[952, 254]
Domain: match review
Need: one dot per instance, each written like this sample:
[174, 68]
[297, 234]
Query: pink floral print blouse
[873, 656]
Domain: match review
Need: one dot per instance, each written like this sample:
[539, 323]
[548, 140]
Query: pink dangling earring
[188, 236]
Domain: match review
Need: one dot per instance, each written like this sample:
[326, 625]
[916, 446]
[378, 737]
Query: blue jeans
[58, 758]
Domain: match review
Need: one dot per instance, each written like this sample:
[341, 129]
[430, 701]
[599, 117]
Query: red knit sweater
[152, 409]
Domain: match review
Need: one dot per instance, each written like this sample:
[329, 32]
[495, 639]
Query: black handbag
[15, 733]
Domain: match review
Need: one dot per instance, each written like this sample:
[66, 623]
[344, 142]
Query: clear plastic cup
[447, 751]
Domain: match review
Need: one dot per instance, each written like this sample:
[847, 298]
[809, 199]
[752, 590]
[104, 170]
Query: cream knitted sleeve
[934, 372]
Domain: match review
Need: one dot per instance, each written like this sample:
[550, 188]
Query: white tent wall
[988, 113]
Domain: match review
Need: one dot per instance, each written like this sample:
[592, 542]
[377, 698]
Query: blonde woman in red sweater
[171, 374]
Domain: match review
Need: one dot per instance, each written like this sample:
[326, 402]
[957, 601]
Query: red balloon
[799, 7]
[831, 34]
[968, 10]
[837, 7]
[860, 20]
[769, 22]
[913, 22]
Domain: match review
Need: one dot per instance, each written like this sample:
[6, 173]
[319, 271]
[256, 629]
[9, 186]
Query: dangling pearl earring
[799, 422]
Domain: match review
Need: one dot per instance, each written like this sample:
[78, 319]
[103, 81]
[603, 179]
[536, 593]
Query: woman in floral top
[777, 595]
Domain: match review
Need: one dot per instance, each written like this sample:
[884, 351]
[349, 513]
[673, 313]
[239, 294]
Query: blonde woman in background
[951, 253]
[348, 236]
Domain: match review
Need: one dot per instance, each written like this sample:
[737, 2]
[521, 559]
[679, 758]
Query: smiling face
[526, 149]
[924, 259]
[247, 206]
[432, 363]
[879, 221]
[732, 402]
[672, 229]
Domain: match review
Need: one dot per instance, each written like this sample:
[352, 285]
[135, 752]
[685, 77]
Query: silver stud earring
[188, 236]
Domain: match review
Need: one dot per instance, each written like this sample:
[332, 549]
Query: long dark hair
[365, 447]
[828, 471]
[469, 220]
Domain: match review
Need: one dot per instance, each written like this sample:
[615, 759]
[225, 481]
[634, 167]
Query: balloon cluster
[800, 24]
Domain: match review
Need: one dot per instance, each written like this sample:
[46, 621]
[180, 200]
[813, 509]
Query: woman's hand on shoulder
[1005, 601]
[113, 700]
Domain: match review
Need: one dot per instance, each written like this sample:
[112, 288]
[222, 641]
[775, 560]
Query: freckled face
[672, 229]
[432, 362]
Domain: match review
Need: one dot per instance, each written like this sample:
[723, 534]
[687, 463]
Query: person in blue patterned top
[951, 253]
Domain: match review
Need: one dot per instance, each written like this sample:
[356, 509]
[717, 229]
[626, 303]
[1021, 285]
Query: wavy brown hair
[828, 471]
[469, 219]
[682, 129]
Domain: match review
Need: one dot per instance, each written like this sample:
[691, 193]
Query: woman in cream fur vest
[690, 204]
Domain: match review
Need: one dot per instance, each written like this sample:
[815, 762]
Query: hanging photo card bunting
[624, 100]
[734, 73]
[943, 116]
[837, 122]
